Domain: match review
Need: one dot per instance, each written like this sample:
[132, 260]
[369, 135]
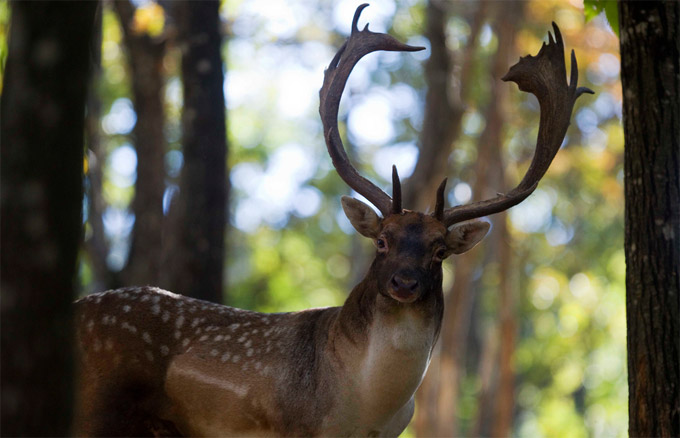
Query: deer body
[201, 369]
[153, 363]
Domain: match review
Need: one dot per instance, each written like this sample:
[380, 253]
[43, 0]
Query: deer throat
[396, 358]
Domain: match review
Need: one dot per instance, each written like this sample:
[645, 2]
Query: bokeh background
[534, 339]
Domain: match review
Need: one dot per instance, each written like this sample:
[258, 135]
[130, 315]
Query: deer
[155, 363]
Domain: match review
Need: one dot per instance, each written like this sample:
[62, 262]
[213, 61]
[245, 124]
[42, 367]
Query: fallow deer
[156, 363]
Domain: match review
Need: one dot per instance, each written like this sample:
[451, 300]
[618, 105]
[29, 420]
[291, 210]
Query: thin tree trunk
[508, 23]
[197, 256]
[459, 306]
[650, 77]
[43, 106]
[96, 245]
[437, 403]
[444, 105]
[146, 61]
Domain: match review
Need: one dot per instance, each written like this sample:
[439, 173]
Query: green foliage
[593, 8]
[4, 34]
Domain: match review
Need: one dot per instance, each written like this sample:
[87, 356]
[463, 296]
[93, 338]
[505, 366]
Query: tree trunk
[449, 364]
[43, 106]
[197, 240]
[444, 109]
[146, 61]
[96, 245]
[650, 76]
[444, 105]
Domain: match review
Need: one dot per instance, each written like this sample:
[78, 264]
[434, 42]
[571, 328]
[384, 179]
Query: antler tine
[396, 191]
[359, 43]
[543, 76]
[439, 205]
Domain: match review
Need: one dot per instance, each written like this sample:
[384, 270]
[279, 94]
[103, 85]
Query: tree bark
[43, 106]
[650, 77]
[197, 255]
[146, 61]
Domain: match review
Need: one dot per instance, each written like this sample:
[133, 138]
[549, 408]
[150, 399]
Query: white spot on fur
[203, 338]
[219, 338]
[164, 350]
[185, 342]
[248, 344]
[180, 321]
[236, 358]
[126, 308]
[178, 334]
[147, 337]
[155, 309]
[214, 352]
[249, 353]
[166, 316]
[225, 357]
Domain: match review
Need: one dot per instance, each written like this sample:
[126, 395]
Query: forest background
[534, 342]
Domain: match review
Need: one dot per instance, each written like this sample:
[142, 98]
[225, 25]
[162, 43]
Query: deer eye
[381, 244]
[440, 254]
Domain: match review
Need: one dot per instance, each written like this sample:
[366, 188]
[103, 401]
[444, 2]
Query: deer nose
[404, 283]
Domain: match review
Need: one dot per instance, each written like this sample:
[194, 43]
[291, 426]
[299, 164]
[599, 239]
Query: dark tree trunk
[43, 106]
[197, 254]
[146, 61]
[444, 105]
[650, 76]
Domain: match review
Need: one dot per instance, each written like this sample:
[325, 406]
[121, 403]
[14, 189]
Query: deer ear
[463, 237]
[362, 217]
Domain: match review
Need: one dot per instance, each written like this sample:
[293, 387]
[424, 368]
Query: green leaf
[593, 8]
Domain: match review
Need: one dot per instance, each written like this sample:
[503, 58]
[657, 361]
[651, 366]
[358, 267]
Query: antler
[543, 76]
[359, 43]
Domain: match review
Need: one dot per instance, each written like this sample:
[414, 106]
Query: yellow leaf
[149, 19]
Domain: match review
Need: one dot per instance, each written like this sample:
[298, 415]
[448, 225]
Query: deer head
[411, 245]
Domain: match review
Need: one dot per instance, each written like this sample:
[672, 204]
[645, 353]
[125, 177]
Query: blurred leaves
[149, 19]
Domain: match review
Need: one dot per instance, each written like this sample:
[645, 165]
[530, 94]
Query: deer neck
[384, 346]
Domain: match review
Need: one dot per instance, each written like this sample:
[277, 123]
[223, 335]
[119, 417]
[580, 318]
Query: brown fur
[158, 364]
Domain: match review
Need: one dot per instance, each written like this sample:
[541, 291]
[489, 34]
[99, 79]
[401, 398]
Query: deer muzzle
[404, 287]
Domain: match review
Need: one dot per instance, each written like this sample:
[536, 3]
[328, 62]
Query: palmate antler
[542, 75]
